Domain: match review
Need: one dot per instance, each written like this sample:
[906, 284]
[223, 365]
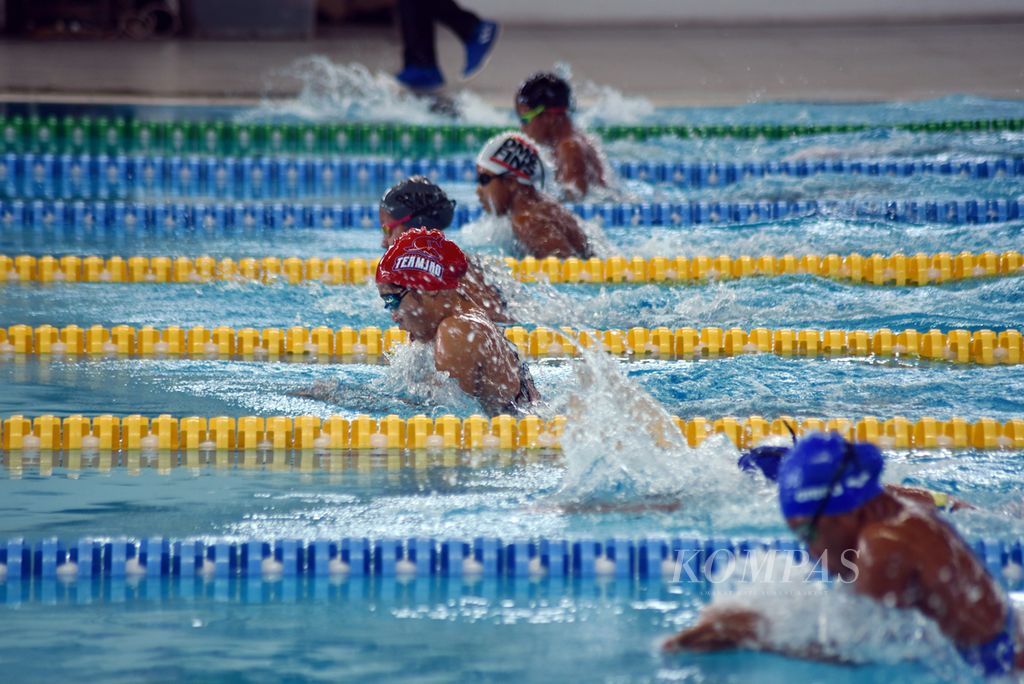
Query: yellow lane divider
[985, 347]
[284, 433]
[876, 269]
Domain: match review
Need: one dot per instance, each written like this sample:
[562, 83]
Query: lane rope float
[984, 347]
[875, 269]
[279, 434]
[49, 177]
[167, 218]
[116, 135]
[678, 559]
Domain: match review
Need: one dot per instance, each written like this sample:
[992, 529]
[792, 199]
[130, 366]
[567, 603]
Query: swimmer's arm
[454, 355]
[720, 629]
[572, 169]
[541, 239]
[885, 570]
[578, 239]
[928, 497]
[726, 628]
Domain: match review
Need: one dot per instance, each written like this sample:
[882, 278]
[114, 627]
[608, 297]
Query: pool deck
[671, 66]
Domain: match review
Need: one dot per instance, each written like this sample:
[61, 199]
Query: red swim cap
[422, 260]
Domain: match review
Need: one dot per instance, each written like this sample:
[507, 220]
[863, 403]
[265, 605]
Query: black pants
[417, 17]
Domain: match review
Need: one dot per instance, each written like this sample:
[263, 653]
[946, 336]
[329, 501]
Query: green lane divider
[103, 135]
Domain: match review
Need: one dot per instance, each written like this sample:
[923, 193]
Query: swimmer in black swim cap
[414, 202]
[543, 104]
[418, 202]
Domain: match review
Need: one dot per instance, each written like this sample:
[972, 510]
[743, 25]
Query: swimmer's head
[822, 478]
[415, 277]
[541, 97]
[507, 162]
[765, 459]
[415, 201]
[825, 471]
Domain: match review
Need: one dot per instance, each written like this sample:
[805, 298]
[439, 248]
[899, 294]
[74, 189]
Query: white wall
[734, 11]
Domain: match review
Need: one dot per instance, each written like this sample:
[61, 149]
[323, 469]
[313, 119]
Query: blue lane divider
[678, 559]
[164, 219]
[48, 176]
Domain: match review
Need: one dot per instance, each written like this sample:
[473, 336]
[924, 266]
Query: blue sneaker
[420, 79]
[479, 47]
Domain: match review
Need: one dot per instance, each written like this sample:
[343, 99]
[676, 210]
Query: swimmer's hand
[718, 629]
[320, 390]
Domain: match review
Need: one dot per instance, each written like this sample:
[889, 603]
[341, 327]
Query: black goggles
[484, 178]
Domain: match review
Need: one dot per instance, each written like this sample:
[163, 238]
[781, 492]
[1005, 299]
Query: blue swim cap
[816, 461]
[764, 458]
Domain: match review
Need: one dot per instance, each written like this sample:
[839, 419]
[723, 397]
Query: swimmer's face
[413, 315]
[536, 128]
[390, 233]
[496, 194]
[832, 539]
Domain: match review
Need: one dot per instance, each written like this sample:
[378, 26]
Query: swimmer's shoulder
[462, 328]
[914, 534]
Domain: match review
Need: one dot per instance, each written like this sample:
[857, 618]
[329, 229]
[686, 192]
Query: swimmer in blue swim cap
[886, 547]
[767, 458]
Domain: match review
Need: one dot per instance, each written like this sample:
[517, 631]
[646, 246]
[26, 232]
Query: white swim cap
[514, 153]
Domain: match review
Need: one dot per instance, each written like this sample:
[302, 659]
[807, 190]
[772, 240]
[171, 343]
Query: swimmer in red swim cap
[418, 278]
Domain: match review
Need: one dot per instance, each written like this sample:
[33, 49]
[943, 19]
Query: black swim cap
[424, 202]
[544, 88]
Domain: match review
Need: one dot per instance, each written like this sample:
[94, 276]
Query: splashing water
[620, 444]
[804, 612]
[411, 374]
[605, 105]
[331, 92]
[492, 234]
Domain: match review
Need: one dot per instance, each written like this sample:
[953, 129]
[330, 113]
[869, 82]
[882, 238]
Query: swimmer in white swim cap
[510, 175]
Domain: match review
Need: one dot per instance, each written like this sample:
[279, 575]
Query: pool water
[500, 629]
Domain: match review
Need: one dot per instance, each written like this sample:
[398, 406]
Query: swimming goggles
[528, 116]
[391, 225]
[485, 178]
[808, 532]
[393, 300]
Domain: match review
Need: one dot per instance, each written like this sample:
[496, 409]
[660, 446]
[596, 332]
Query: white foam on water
[602, 105]
[331, 92]
[490, 233]
[621, 445]
[804, 612]
[411, 374]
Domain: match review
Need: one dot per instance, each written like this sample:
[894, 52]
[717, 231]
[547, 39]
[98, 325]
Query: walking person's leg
[478, 35]
[416, 22]
[461, 21]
